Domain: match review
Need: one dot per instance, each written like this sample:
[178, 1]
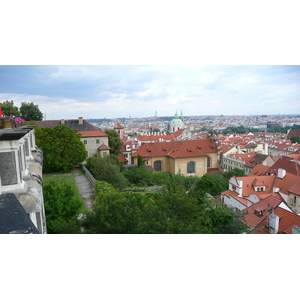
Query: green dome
[176, 121]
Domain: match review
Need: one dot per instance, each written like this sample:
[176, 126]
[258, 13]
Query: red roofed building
[271, 215]
[190, 158]
[91, 136]
[281, 185]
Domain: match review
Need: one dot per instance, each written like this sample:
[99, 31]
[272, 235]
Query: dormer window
[258, 213]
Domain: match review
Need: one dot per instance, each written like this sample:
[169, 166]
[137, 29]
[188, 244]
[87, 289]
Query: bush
[62, 206]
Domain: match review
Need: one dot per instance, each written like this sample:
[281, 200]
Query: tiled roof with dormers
[177, 149]
[265, 206]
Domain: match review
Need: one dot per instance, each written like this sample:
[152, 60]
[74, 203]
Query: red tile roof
[292, 167]
[118, 126]
[94, 133]
[252, 220]
[295, 188]
[177, 149]
[259, 170]
[122, 158]
[287, 220]
[103, 147]
[293, 132]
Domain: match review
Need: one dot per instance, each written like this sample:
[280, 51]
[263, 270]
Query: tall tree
[62, 148]
[30, 112]
[8, 108]
[114, 141]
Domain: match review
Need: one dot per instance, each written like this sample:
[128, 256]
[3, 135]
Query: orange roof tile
[287, 220]
[177, 149]
[103, 147]
[259, 170]
[94, 133]
[266, 206]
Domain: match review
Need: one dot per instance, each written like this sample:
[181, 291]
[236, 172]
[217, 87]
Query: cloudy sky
[105, 91]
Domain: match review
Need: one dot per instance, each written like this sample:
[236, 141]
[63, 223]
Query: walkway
[85, 188]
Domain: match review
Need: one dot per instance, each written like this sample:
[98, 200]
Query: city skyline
[102, 91]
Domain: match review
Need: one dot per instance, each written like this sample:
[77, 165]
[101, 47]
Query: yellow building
[189, 158]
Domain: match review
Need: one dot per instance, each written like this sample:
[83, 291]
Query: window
[157, 165]
[191, 167]
[97, 141]
[85, 142]
[293, 200]
[208, 162]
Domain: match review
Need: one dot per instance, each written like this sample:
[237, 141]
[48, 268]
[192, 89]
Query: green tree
[114, 141]
[30, 112]
[234, 172]
[209, 184]
[107, 169]
[295, 139]
[9, 108]
[62, 148]
[62, 207]
[139, 176]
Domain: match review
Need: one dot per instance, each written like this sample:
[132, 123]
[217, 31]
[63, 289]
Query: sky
[117, 91]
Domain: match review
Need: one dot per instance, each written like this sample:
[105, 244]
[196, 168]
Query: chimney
[62, 121]
[80, 120]
[240, 187]
[281, 173]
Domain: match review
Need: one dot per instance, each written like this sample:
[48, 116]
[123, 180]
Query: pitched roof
[287, 220]
[259, 170]
[122, 158]
[292, 167]
[103, 147]
[94, 133]
[72, 124]
[295, 188]
[177, 149]
[245, 157]
[265, 206]
[293, 132]
[118, 126]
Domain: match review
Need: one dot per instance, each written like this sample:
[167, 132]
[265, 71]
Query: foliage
[280, 129]
[168, 212]
[114, 141]
[30, 111]
[210, 184]
[140, 161]
[62, 206]
[107, 169]
[234, 172]
[139, 176]
[8, 108]
[239, 129]
[295, 139]
[62, 148]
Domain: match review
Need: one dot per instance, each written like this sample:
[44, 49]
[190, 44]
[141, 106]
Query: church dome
[176, 120]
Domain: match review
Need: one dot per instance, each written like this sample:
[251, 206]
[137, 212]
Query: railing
[88, 174]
